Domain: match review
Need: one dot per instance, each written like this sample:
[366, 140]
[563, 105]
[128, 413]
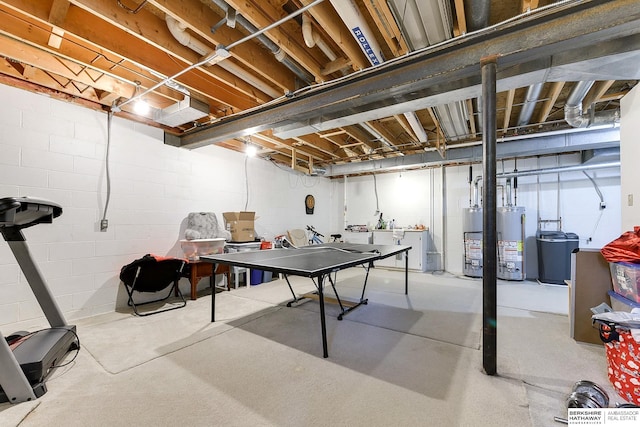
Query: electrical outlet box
[104, 224]
[629, 199]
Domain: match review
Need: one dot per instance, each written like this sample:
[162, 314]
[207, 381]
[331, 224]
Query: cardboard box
[240, 225]
[590, 282]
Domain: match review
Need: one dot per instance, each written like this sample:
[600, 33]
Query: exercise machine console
[27, 359]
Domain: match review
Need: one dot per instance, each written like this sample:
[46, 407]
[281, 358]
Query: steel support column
[489, 242]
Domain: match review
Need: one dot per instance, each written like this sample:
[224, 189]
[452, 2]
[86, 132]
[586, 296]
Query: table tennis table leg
[362, 301]
[213, 294]
[323, 323]
[406, 272]
[295, 297]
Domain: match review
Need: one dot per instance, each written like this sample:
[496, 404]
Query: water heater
[510, 233]
[472, 236]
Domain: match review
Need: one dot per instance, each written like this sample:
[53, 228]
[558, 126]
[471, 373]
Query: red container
[623, 363]
[265, 245]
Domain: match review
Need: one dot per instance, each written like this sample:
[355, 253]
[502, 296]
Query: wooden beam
[200, 18]
[329, 20]
[472, 120]
[507, 109]
[552, 97]
[58, 12]
[529, 5]
[384, 20]
[596, 92]
[36, 57]
[145, 39]
[285, 41]
[460, 17]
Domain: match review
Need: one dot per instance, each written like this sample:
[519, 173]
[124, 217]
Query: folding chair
[298, 237]
[151, 274]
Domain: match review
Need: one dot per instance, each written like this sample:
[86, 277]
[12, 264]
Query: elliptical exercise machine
[27, 359]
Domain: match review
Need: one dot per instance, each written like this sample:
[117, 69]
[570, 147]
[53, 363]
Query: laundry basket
[623, 365]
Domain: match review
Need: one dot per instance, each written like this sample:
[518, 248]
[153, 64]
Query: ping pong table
[316, 262]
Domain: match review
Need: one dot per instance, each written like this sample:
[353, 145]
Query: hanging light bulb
[251, 150]
[140, 107]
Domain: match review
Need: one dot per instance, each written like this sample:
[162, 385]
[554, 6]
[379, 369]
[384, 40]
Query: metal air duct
[533, 94]
[477, 14]
[573, 109]
[425, 23]
[185, 111]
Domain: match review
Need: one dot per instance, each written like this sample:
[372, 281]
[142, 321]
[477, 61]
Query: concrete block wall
[56, 150]
[415, 197]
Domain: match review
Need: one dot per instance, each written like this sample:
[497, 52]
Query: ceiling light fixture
[251, 150]
[140, 107]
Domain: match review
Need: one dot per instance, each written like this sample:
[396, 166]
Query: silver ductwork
[573, 109]
[477, 14]
[185, 111]
[533, 94]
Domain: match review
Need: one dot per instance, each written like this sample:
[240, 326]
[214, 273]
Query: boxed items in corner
[240, 225]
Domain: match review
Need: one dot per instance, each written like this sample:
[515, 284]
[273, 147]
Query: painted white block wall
[55, 150]
[415, 197]
[630, 151]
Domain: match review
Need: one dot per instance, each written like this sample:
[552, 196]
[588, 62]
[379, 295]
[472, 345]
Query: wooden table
[199, 269]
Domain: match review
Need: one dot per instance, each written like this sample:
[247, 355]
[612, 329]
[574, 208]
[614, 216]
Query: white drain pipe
[179, 32]
[311, 38]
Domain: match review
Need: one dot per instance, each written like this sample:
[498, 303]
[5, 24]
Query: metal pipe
[266, 41]
[377, 135]
[477, 14]
[559, 169]
[515, 174]
[489, 234]
[573, 109]
[444, 216]
[219, 54]
[179, 32]
[533, 94]
[573, 106]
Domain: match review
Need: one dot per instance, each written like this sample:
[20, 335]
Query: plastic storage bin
[256, 277]
[554, 255]
[194, 249]
[625, 278]
[620, 303]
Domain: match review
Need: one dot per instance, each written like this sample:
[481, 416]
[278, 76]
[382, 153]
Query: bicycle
[315, 238]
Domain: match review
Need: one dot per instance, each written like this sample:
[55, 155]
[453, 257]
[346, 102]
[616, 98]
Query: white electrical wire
[106, 164]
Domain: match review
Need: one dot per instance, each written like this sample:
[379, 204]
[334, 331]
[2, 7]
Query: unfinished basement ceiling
[342, 84]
